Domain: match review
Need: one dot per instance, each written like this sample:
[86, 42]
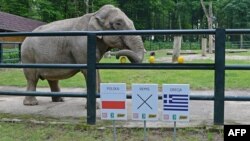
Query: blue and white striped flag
[175, 102]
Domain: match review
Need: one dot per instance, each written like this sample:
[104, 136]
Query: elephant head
[112, 18]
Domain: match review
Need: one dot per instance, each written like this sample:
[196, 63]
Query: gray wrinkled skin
[73, 50]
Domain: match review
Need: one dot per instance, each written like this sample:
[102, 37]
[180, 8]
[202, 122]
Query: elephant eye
[118, 23]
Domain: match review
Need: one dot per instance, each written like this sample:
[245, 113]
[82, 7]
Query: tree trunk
[179, 20]
[92, 6]
[176, 48]
[209, 16]
[210, 44]
[204, 46]
[241, 41]
[87, 5]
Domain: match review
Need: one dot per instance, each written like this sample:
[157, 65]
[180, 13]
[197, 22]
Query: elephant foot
[57, 99]
[30, 101]
[97, 106]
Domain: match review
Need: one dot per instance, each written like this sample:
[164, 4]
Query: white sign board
[144, 101]
[175, 100]
[113, 101]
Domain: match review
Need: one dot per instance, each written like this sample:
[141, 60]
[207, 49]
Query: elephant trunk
[135, 51]
[133, 58]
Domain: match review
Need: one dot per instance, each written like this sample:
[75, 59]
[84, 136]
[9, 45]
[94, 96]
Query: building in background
[14, 23]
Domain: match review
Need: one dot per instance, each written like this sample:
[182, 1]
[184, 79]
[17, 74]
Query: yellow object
[123, 59]
[180, 59]
[151, 59]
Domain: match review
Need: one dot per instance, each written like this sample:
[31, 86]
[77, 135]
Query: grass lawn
[198, 79]
[102, 131]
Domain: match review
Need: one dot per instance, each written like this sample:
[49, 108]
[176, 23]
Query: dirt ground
[201, 112]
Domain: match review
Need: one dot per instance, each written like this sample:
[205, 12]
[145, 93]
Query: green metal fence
[218, 66]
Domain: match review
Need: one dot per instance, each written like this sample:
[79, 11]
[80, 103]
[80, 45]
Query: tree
[46, 10]
[234, 13]
[209, 15]
[99, 3]
[17, 7]
[146, 14]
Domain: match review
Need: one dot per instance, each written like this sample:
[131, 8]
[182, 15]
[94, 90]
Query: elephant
[73, 49]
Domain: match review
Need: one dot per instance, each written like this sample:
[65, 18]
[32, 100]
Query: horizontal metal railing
[54, 66]
[84, 95]
[125, 32]
[110, 33]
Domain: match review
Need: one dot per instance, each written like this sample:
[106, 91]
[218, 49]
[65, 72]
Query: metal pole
[19, 51]
[219, 85]
[114, 133]
[145, 131]
[174, 135]
[1, 53]
[91, 79]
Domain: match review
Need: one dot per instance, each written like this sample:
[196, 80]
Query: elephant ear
[98, 20]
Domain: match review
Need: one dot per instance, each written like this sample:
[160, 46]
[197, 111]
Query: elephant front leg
[54, 87]
[31, 100]
[98, 81]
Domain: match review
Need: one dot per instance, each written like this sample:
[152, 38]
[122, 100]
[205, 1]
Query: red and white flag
[113, 101]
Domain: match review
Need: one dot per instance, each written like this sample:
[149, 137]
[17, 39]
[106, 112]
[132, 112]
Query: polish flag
[113, 104]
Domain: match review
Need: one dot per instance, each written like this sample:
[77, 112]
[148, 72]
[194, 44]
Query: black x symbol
[144, 101]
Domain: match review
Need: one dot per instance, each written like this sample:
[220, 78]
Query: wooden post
[19, 52]
[241, 41]
[176, 48]
[204, 46]
[210, 44]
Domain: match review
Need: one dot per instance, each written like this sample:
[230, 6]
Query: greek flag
[175, 102]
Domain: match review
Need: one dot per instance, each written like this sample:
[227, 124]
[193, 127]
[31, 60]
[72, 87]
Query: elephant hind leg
[31, 86]
[98, 81]
[54, 87]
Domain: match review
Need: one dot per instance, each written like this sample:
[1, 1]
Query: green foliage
[10, 55]
[18, 7]
[46, 10]
[234, 13]
[187, 45]
[146, 14]
[99, 3]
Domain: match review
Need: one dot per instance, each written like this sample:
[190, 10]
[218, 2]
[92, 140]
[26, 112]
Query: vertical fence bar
[219, 85]
[19, 51]
[91, 79]
[1, 53]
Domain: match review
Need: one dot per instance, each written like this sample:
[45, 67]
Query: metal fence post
[1, 53]
[219, 85]
[91, 79]
[19, 51]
